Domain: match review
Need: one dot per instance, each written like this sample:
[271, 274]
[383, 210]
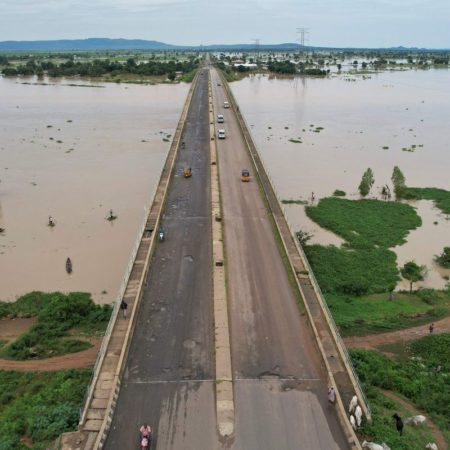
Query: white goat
[431, 446]
[353, 403]
[416, 420]
[358, 415]
[372, 446]
[353, 421]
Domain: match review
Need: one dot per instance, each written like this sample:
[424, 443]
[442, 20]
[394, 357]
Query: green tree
[367, 182]
[413, 273]
[171, 76]
[339, 67]
[398, 180]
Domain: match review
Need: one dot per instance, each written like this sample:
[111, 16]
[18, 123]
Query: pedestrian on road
[331, 395]
[431, 328]
[123, 307]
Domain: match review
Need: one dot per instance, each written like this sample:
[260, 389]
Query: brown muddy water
[75, 152]
[343, 126]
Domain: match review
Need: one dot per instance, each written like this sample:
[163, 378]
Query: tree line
[99, 67]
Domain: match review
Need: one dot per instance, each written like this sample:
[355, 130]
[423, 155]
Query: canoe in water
[68, 265]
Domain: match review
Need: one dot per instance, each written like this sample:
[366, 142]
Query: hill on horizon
[92, 44]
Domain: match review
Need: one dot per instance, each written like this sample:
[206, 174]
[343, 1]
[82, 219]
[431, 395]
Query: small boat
[68, 265]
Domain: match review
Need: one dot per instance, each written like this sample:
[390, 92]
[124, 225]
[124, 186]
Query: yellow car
[245, 175]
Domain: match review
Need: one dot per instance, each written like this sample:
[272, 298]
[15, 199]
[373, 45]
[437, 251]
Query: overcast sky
[340, 23]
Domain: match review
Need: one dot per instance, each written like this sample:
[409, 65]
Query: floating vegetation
[294, 202]
[411, 148]
[59, 141]
[295, 141]
[385, 147]
[49, 126]
[165, 139]
[69, 121]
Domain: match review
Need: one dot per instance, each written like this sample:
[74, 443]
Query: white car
[226, 105]
[221, 134]
[220, 118]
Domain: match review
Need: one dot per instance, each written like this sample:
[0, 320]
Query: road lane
[170, 366]
[270, 340]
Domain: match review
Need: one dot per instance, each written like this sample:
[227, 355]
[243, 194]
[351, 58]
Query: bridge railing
[116, 308]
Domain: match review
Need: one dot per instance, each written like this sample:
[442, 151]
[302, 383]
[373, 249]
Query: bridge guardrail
[106, 337]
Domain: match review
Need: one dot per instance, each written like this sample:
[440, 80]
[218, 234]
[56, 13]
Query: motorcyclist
[146, 436]
[161, 234]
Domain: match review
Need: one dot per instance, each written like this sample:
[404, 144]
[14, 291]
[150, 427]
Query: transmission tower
[302, 32]
[256, 41]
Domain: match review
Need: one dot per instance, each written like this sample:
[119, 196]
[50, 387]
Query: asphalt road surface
[280, 387]
[279, 382]
[170, 369]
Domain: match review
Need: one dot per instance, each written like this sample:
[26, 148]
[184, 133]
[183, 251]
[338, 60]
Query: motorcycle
[161, 236]
[145, 442]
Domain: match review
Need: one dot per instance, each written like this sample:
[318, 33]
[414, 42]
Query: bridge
[229, 344]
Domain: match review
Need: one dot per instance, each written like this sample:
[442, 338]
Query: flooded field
[317, 135]
[74, 152]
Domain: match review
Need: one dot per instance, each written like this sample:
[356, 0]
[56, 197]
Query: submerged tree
[413, 273]
[367, 182]
[444, 258]
[399, 182]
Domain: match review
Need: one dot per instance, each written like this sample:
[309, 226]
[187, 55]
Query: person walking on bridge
[331, 395]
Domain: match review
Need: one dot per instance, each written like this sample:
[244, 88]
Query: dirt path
[374, 340]
[438, 436]
[79, 360]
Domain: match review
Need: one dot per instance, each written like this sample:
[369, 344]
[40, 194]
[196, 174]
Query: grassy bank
[366, 223]
[36, 407]
[58, 315]
[357, 278]
[440, 197]
[364, 264]
[369, 314]
[423, 378]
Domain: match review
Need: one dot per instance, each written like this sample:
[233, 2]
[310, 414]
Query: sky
[336, 23]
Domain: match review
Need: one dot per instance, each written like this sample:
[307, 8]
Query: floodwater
[75, 152]
[343, 126]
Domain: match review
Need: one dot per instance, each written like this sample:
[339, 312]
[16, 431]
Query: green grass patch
[355, 272]
[39, 406]
[382, 428]
[366, 223]
[423, 380]
[294, 202]
[362, 315]
[188, 77]
[441, 197]
[56, 314]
